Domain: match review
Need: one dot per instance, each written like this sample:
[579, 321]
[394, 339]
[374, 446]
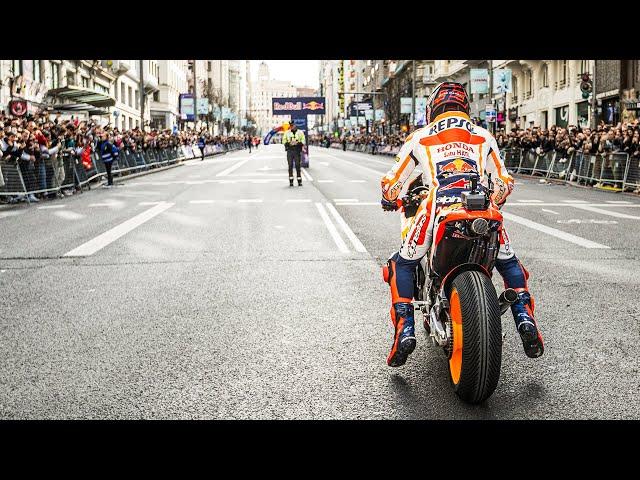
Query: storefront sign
[18, 107]
[502, 80]
[479, 79]
[405, 105]
[27, 89]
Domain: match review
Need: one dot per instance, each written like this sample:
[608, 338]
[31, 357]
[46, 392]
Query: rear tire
[474, 365]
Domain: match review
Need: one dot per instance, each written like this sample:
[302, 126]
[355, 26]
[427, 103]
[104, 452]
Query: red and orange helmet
[447, 97]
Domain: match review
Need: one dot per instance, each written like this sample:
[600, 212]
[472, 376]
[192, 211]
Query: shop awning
[79, 107]
[82, 95]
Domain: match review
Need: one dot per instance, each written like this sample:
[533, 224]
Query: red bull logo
[455, 167]
[313, 105]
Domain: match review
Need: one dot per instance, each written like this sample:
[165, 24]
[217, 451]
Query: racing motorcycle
[453, 289]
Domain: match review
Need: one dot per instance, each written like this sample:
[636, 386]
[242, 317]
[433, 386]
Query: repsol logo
[412, 245]
[452, 122]
[459, 145]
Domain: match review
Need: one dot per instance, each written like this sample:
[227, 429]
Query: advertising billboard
[298, 106]
[187, 107]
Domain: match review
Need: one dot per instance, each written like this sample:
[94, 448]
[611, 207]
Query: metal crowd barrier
[615, 170]
[66, 170]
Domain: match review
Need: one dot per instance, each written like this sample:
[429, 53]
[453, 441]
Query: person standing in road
[344, 143]
[106, 150]
[201, 146]
[294, 141]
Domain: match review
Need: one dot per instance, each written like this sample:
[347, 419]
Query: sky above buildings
[301, 73]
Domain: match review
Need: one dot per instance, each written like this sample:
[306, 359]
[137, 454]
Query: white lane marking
[297, 200]
[250, 200]
[110, 236]
[67, 215]
[617, 201]
[358, 203]
[325, 181]
[265, 168]
[326, 164]
[201, 201]
[10, 214]
[306, 175]
[332, 229]
[232, 168]
[575, 201]
[570, 205]
[591, 220]
[109, 204]
[47, 207]
[357, 244]
[357, 181]
[345, 199]
[261, 180]
[583, 242]
[279, 227]
[531, 201]
[550, 211]
[606, 212]
[150, 203]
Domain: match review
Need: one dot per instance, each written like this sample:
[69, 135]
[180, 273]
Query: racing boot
[299, 181]
[291, 181]
[526, 324]
[398, 273]
[404, 339]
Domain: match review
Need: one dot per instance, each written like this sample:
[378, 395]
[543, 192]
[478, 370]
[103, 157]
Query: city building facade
[263, 90]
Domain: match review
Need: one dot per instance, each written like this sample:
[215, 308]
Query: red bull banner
[298, 106]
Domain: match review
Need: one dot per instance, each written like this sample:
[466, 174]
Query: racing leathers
[448, 150]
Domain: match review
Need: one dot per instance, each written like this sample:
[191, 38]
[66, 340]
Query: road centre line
[149, 203]
[325, 181]
[575, 201]
[250, 200]
[574, 205]
[201, 201]
[232, 168]
[345, 199]
[47, 207]
[357, 244]
[359, 203]
[110, 236]
[550, 211]
[583, 242]
[617, 201]
[611, 213]
[530, 201]
[298, 200]
[332, 229]
[357, 181]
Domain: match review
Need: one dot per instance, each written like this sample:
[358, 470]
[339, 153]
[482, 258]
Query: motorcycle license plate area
[474, 200]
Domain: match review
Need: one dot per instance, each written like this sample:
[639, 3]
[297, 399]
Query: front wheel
[476, 353]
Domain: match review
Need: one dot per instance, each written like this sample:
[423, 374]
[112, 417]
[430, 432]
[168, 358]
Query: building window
[584, 66]
[17, 68]
[85, 82]
[545, 75]
[562, 74]
[130, 96]
[55, 76]
[36, 71]
[137, 98]
[156, 96]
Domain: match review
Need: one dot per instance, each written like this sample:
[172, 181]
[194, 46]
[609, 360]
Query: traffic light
[586, 86]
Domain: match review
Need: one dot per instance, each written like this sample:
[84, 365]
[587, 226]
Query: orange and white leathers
[450, 144]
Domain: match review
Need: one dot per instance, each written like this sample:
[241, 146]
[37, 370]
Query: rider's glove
[389, 206]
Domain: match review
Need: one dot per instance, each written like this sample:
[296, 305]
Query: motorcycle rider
[449, 146]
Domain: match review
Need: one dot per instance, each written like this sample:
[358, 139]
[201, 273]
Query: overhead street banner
[298, 106]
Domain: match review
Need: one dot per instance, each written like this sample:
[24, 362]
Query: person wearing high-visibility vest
[293, 140]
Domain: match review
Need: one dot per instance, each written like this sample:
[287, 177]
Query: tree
[213, 95]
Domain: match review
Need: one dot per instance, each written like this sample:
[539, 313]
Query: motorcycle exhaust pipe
[506, 299]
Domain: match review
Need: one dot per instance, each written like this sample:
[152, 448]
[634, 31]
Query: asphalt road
[213, 290]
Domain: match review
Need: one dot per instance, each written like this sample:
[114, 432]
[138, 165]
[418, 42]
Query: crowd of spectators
[623, 137]
[30, 141]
